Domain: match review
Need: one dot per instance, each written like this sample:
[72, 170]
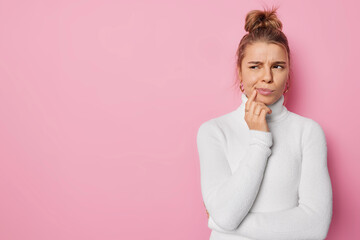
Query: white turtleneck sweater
[265, 185]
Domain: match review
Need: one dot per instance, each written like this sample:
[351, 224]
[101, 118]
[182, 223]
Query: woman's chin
[267, 100]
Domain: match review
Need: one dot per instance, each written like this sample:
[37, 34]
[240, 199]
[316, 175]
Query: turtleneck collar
[279, 111]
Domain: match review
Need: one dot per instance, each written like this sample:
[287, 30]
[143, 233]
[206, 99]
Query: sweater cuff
[261, 137]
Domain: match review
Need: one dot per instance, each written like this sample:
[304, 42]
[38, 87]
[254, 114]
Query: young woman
[263, 168]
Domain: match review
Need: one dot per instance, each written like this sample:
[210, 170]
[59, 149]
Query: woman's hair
[262, 26]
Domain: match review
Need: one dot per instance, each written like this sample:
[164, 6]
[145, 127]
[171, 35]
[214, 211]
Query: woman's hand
[255, 114]
[206, 211]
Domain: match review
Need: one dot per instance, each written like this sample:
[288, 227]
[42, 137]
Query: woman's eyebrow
[258, 62]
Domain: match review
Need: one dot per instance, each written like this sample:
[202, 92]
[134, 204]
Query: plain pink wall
[101, 100]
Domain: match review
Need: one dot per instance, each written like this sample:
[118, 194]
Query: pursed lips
[265, 89]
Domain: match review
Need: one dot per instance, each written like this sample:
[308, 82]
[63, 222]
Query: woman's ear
[238, 71]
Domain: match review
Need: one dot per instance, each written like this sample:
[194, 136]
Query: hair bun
[262, 19]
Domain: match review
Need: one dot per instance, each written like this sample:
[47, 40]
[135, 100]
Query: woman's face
[265, 65]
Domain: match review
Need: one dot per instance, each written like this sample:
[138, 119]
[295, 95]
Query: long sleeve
[312, 217]
[229, 196]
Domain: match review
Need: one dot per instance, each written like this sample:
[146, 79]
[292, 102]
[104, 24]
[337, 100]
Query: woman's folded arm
[229, 196]
[311, 218]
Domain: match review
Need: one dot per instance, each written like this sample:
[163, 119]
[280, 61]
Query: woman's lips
[264, 91]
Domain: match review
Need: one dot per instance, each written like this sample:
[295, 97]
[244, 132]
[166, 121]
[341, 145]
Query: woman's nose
[267, 75]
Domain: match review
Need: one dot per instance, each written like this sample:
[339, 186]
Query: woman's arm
[229, 196]
[311, 218]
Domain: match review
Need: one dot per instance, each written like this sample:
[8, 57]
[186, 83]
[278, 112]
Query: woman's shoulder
[302, 119]
[306, 124]
[219, 126]
[229, 123]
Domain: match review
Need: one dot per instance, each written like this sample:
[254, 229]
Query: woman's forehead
[265, 52]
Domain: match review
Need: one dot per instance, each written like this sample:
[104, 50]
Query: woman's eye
[253, 67]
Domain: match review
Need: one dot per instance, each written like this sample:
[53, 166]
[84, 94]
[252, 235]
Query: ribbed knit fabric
[265, 185]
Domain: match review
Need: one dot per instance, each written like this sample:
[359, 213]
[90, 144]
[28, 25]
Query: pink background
[101, 101]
